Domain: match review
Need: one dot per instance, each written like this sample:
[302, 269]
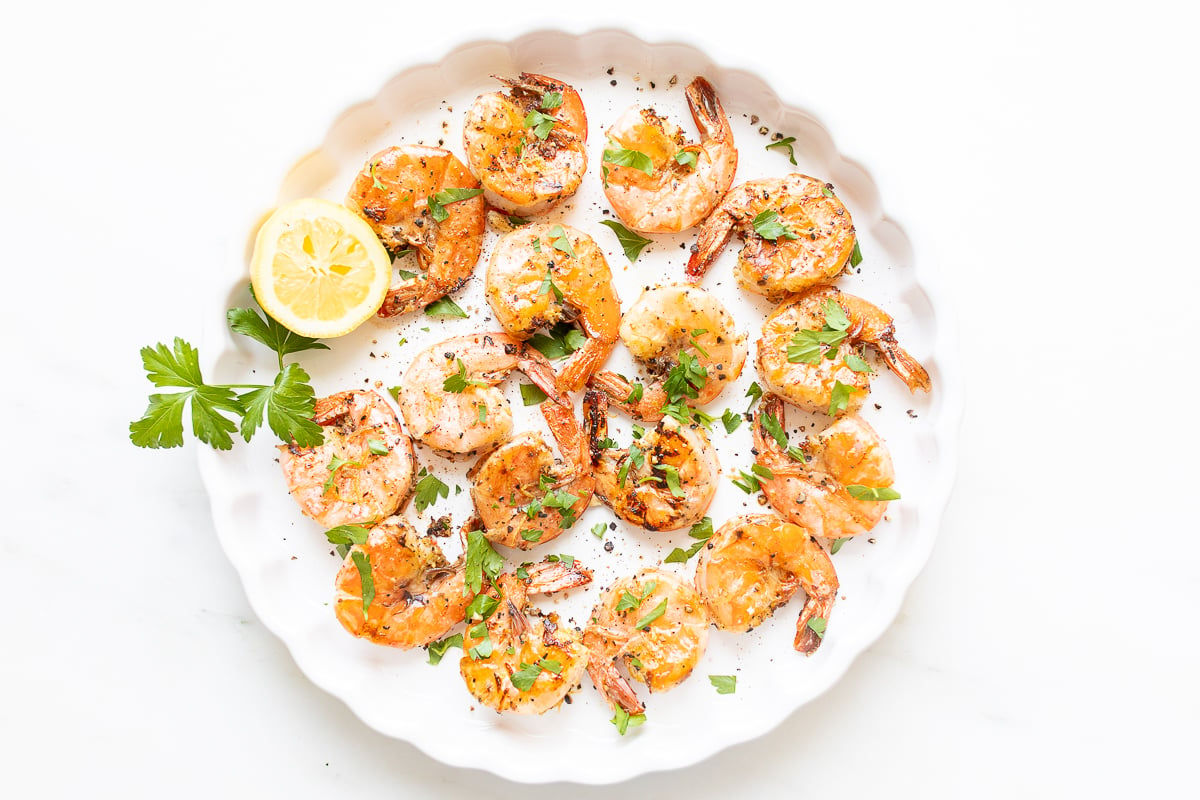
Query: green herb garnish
[624, 157]
[725, 684]
[632, 243]
[872, 493]
[785, 144]
[768, 226]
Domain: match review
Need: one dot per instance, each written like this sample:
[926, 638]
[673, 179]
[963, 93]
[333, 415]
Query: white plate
[288, 569]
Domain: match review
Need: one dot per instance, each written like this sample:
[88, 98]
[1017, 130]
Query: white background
[1050, 149]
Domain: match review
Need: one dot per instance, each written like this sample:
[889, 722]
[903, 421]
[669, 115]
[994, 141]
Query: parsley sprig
[287, 404]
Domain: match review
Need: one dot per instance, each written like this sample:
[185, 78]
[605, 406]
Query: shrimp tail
[538, 369]
[808, 640]
[564, 427]
[907, 368]
[595, 422]
[714, 234]
[706, 110]
[546, 577]
[532, 83]
[403, 297]
[583, 363]
[619, 390]
[613, 686]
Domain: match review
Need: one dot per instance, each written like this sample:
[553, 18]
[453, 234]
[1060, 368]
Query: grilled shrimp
[528, 148]
[403, 192]
[545, 273]
[520, 659]
[809, 483]
[685, 181]
[363, 471]
[753, 565]
[663, 325]
[656, 625]
[449, 395]
[520, 491]
[794, 363]
[797, 234]
[665, 480]
[419, 595]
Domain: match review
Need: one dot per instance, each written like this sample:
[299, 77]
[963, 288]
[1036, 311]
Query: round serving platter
[287, 567]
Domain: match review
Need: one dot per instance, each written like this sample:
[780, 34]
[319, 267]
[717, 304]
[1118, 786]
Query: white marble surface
[1047, 649]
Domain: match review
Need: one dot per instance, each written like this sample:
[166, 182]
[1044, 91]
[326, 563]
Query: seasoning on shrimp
[796, 231]
[528, 147]
[830, 483]
[674, 184]
[522, 495]
[449, 394]
[809, 351]
[418, 595]
[423, 199]
[364, 468]
[545, 273]
[664, 480]
[517, 658]
[691, 345]
[655, 626]
[754, 564]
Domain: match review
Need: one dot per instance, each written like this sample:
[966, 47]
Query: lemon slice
[318, 268]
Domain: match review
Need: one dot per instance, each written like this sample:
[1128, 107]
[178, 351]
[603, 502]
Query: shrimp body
[754, 564]
[419, 595]
[520, 659]
[665, 480]
[811, 386]
[449, 394]
[770, 263]
[677, 193]
[655, 625]
[510, 483]
[528, 147]
[363, 471]
[544, 273]
[395, 192]
[662, 324]
[811, 490]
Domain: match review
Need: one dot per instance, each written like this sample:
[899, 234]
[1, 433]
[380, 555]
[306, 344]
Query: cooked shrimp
[797, 234]
[665, 323]
[449, 394]
[519, 490]
[362, 472]
[663, 481]
[685, 181]
[793, 364]
[398, 192]
[656, 625]
[546, 273]
[520, 659]
[809, 484]
[419, 595]
[753, 565]
[528, 148]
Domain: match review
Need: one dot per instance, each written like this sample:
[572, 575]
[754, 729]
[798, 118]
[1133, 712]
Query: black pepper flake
[612, 82]
[608, 547]
[911, 413]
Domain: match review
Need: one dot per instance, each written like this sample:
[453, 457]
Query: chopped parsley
[632, 243]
